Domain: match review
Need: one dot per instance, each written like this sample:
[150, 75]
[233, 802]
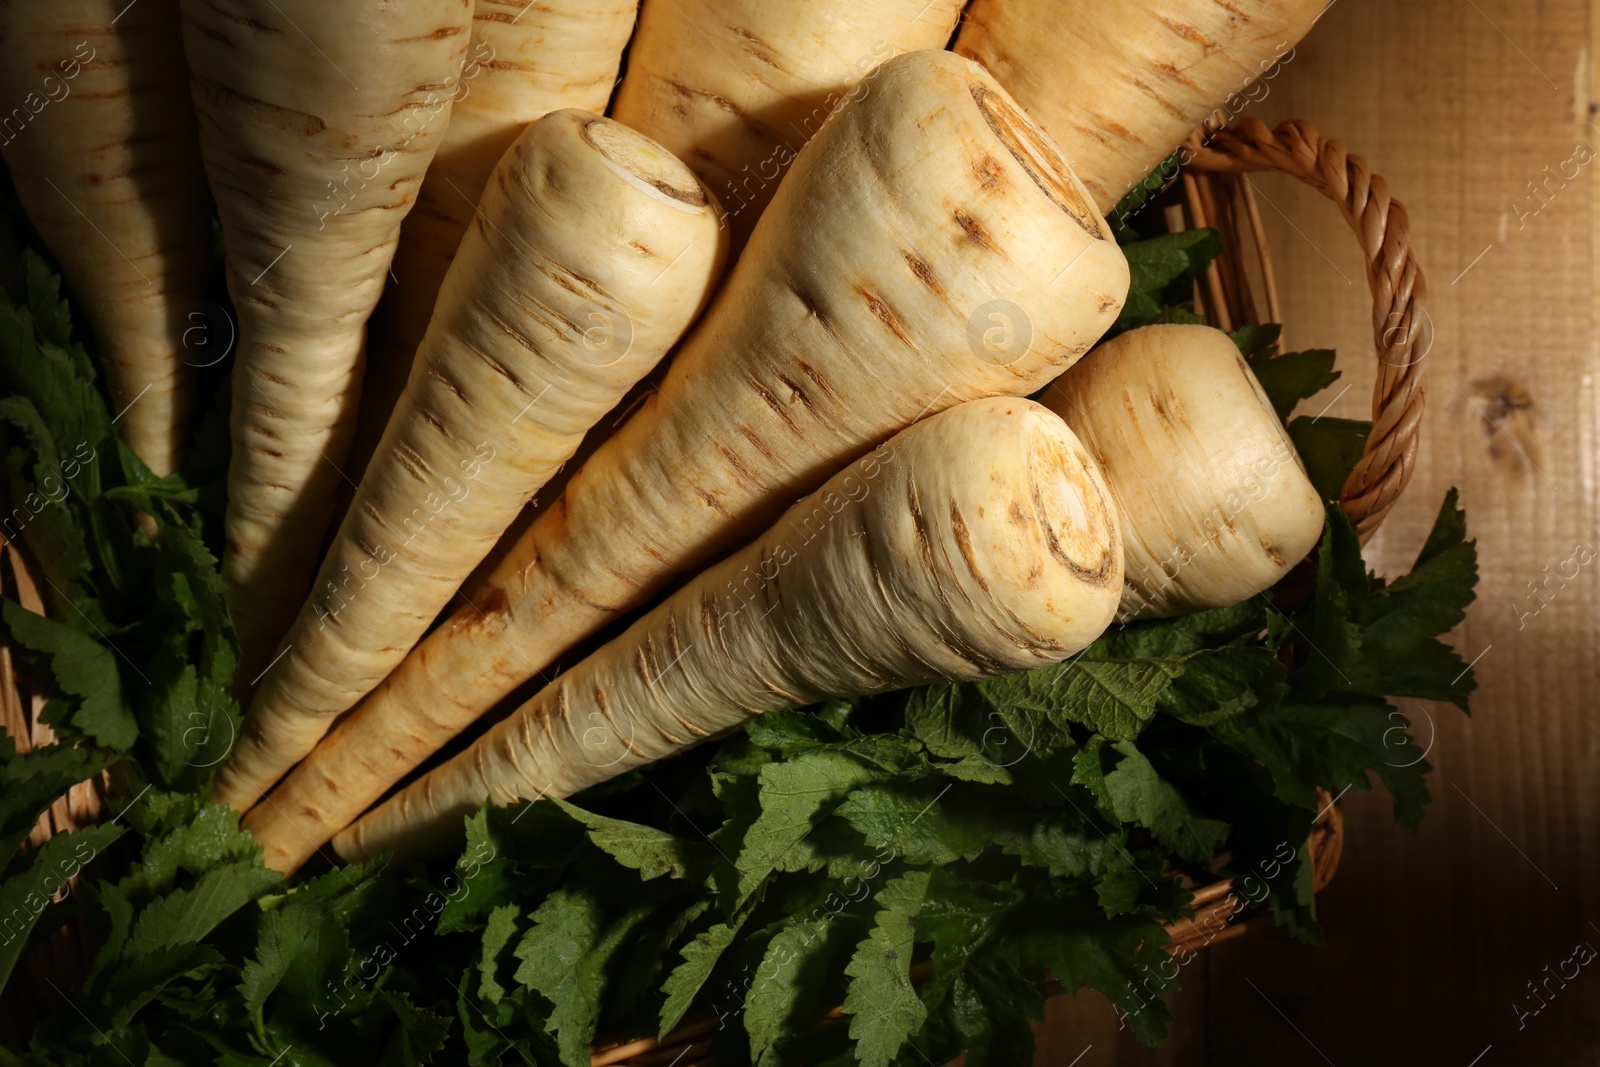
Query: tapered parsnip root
[100, 141]
[737, 87]
[1120, 84]
[317, 121]
[528, 58]
[928, 247]
[979, 542]
[594, 251]
[1214, 502]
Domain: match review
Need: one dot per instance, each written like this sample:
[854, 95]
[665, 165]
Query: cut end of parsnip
[1074, 508]
[644, 162]
[1215, 504]
[1036, 527]
[1039, 156]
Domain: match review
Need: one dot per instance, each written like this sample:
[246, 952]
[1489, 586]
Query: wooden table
[1479, 112]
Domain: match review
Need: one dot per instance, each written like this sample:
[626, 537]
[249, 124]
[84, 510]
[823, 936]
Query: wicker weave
[1383, 227]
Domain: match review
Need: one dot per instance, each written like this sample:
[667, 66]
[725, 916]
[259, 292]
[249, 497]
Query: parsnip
[737, 87]
[928, 247]
[1121, 83]
[528, 58]
[979, 542]
[100, 141]
[594, 251]
[317, 121]
[1214, 502]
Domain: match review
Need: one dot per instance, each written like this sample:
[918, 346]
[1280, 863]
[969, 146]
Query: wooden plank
[1433, 938]
[1438, 942]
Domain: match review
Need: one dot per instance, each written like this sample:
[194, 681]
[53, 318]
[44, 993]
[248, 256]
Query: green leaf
[31, 782]
[210, 838]
[1219, 683]
[939, 716]
[1329, 448]
[1121, 958]
[1401, 622]
[142, 978]
[1140, 795]
[497, 934]
[1293, 377]
[1257, 340]
[700, 956]
[1160, 265]
[649, 851]
[26, 895]
[1334, 745]
[419, 1034]
[797, 730]
[564, 958]
[909, 820]
[279, 940]
[793, 795]
[790, 987]
[1112, 697]
[185, 916]
[884, 1007]
[82, 668]
[190, 722]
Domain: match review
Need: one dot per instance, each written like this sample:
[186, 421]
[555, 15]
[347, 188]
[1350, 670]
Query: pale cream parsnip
[928, 247]
[595, 250]
[1215, 504]
[317, 121]
[976, 543]
[99, 136]
[1121, 83]
[737, 87]
[528, 58]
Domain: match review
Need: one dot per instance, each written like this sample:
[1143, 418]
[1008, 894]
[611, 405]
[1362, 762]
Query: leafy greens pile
[923, 859]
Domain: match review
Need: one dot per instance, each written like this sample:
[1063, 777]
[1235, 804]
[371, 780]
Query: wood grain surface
[1481, 114]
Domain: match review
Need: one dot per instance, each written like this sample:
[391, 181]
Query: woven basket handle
[1384, 230]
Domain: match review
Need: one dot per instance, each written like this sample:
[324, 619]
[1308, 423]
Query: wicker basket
[1216, 192]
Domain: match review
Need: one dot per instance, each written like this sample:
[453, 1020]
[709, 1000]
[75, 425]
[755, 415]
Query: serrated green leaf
[25, 895]
[1329, 448]
[789, 988]
[1159, 265]
[700, 956]
[940, 716]
[185, 916]
[419, 1033]
[282, 933]
[1120, 958]
[796, 730]
[1112, 697]
[212, 837]
[909, 821]
[1140, 795]
[883, 1006]
[1219, 683]
[31, 782]
[649, 851]
[1293, 377]
[793, 795]
[1257, 340]
[141, 979]
[82, 668]
[497, 934]
[564, 957]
